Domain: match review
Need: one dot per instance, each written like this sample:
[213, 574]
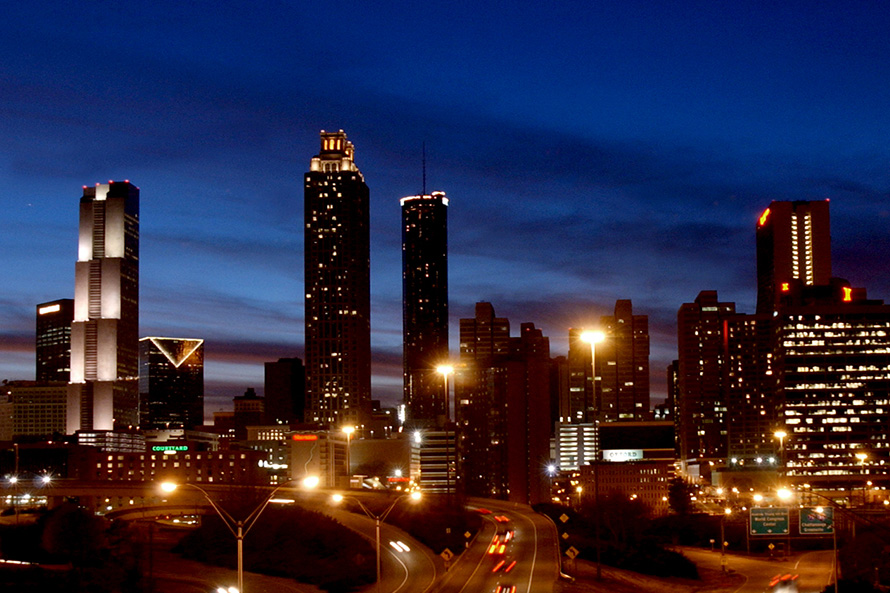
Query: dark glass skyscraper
[171, 382]
[338, 286]
[104, 391]
[424, 303]
[53, 344]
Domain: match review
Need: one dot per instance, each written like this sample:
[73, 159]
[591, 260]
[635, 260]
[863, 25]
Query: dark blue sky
[591, 151]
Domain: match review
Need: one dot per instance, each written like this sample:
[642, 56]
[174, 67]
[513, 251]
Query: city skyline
[590, 154]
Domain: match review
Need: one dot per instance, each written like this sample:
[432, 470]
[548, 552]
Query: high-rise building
[32, 408]
[424, 304]
[701, 404]
[338, 286]
[285, 391]
[104, 390]
[53, 344]
[577, 401]
[832, 380]
[622, 366]
[793, 245]
[171, 382]
[503, 393]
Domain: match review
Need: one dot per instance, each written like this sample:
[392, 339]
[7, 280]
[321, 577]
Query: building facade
[424, 304]
[33, 408]
[338, 286]
[53, 343]
[701, 402]
[793, 246]
[622, 366]
[104, 391]
[285, 391]
[171, 382]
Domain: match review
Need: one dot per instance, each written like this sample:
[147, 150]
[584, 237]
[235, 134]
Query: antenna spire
[424, 169]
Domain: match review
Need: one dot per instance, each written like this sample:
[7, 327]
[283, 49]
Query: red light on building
[304, 437]
[396, 479]
[785, 287]
[763, 217]
[848, 294]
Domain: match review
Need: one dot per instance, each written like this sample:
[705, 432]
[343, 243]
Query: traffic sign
[563, 517]
[572, 552]
[816, 520]
[447, 555]
[769, 521]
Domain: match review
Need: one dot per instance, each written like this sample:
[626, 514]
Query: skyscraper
[793, 245]
[171, 382]
[424, 303]
[53, 345]
[285, 391]
[701, 395]
[104, 392]
[338, 286]
[622, 363]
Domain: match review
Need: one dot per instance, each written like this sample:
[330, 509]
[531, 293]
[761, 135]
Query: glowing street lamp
[726, 512]
[593, 337]
[239, 528]
[445, 370]
[378, 519]
[348, 430]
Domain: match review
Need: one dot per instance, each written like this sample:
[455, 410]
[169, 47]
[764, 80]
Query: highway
[814, 569]
[528, 562]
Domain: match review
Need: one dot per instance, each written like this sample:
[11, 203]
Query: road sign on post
[769, 521]
[816, 520]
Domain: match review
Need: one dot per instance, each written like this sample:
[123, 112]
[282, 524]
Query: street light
[445, 370]
[348, 430]
[726, 512]
[239, 528]
[415, 496]
[593, 338]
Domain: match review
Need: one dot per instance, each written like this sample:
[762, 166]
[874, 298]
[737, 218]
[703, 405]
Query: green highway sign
[769, 521]
[816, 520]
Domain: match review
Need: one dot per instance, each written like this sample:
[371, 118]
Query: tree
[680, 496]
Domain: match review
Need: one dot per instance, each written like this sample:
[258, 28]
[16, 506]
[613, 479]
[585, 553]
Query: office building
[171, 382]
[338, 286]
[503, 394]
[424, 304]
[285, 391]
[701, 402]
[53, 344]
[33, 409]
[793, 246]
[622, 366]
[832, 381]
[104, 390]
[577, 399]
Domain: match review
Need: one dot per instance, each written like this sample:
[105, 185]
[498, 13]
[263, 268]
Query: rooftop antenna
[424, 168]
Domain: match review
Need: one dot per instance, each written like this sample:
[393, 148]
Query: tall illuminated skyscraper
[338, 286]
[104, 389]
[424, 303]
[622, 363]
[793, 246]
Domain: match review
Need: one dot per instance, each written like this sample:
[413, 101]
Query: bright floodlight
[310, 482]
[337, 498]
[445, 369]
[416, 495]
[592, 337]
[780, 434]
[758, 497]
[862, 456]
[783, 493]
[46, 479]
[13, 480]
[348, 429]
[168, 486]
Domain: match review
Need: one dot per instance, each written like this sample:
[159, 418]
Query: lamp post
[445, 370]
[348, 430]
[592, 338]
[726, 512]
[378, 519]
[781, 434]
[239, 528]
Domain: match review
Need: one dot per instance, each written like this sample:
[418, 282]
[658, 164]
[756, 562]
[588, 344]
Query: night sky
[591, 151]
